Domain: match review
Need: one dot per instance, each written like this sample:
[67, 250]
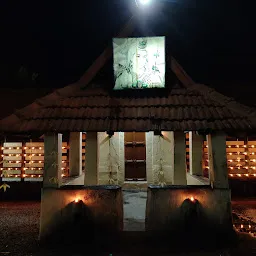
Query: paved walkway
[134, 210]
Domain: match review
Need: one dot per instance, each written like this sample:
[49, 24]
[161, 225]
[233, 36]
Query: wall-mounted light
[158, 133]
[110, 133]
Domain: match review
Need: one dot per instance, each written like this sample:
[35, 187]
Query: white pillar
[75, 154]
[178, 157]
[110, 158]
[91, 159]
[52, 160]
[195, 154]
[218, 170]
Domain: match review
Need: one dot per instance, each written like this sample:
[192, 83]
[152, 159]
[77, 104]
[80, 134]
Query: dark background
[50, 44]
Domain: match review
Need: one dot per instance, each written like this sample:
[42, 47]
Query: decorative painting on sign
[139, 62]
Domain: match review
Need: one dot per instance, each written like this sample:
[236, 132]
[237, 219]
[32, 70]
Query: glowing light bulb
[242, 226]
[76, 200]
[144, 2]
[192, 199]
[231, 175]
[229, 146]
[230, 153]
[250, 226]
[18, 147]
[40, 148]
[33, 147]
[239, 175]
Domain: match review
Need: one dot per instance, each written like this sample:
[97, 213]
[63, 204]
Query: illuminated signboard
[139, 62]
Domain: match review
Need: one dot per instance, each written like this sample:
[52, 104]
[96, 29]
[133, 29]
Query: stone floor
[134, 210]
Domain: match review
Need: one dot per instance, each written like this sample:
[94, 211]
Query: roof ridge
[86, 78]
[229, 102]
[203, 89]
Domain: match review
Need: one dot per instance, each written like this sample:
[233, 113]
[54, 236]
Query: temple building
[138, 133]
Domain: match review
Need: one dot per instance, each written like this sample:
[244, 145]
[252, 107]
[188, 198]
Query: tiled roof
[97, 109]
[82, 107]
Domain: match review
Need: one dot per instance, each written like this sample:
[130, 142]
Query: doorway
[135, 156]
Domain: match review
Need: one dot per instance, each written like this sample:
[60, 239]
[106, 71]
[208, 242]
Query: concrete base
[171, 214]
[98, 214]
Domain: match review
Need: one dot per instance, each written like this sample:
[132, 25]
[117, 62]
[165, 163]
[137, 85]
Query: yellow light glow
[254, 175]
[231, 175]
[237, 146]
[76, 200]
[33, 154]
[10, 148]
[40, 162]
[239, 175]
[9, 169]
[253, 153]
[32, 176]
[247, 175]
[245, 153]
[2, 148]
[25, 154]
[25, 147]
[231, 168]
[16, 176]
[244, 146]
[33, 147]
[230, 160]
[62, 175]
[250, 226]
[18, 147]
[63, 147]
[230, 153]
[242, 226]
[40, 148]
[192, 199]
[40, 154]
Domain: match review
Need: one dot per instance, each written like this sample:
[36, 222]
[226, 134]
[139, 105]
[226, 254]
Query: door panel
[135, 156]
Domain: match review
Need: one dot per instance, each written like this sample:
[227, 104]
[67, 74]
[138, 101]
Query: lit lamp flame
[76, 200]
[242, 226]
[192, 199]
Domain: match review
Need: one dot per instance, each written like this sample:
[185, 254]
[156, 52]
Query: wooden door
[135, 155]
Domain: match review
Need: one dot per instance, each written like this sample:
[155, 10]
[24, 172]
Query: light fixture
[76, 200]
[144, 2]
[192, 199]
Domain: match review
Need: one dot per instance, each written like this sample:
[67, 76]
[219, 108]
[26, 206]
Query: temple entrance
[135, 156]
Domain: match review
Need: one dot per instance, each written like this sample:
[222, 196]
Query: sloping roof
[89, 106]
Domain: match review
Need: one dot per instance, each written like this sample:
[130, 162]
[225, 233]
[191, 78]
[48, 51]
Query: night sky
[213, 40]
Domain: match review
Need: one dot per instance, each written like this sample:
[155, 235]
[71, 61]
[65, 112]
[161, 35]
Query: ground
[19, 227]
